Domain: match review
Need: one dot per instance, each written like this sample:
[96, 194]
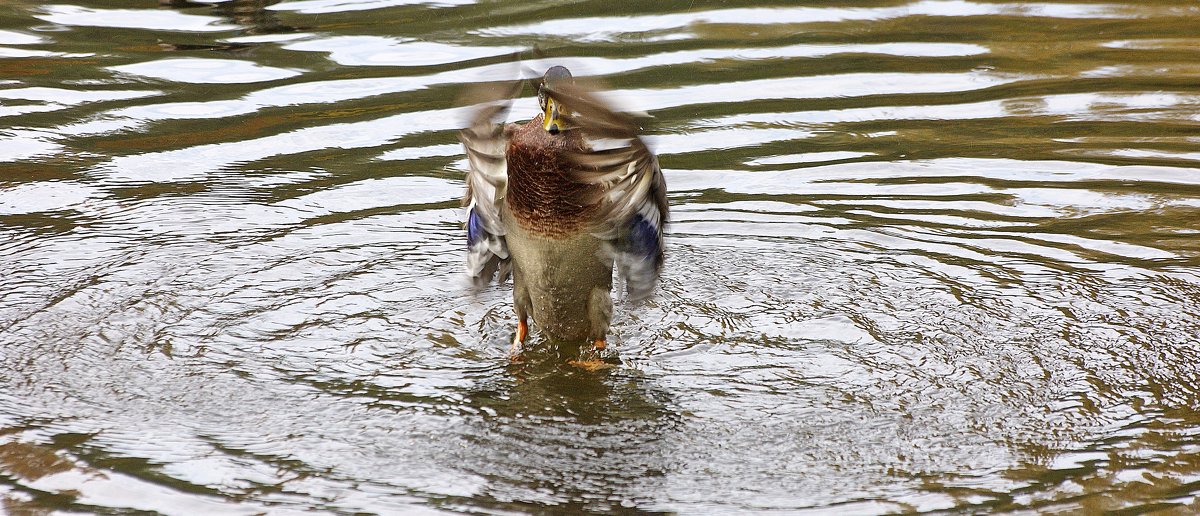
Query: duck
[559, 204]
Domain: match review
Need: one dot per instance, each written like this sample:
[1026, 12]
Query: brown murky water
[927, 256]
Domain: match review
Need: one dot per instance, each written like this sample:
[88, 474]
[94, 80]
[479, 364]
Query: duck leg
[519, 338]
[599, 314]
[521, 305]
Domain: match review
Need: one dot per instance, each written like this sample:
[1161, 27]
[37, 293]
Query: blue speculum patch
[643, 238]
[474, 228]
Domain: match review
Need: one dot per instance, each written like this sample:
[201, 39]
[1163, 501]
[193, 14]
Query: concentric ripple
[925, 256]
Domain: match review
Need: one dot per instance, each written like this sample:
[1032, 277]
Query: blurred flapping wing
[632, 195]
[487, 181]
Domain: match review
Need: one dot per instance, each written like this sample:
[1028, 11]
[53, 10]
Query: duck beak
[552, 119]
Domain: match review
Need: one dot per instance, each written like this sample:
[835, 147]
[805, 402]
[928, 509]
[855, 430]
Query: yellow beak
[552, 119]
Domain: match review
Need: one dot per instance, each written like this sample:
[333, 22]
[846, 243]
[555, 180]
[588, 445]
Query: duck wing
[484, 140]
[631, 197]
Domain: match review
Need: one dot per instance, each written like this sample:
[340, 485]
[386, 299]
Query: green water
[925, 256]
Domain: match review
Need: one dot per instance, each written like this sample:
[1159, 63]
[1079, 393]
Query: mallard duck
[557, 202]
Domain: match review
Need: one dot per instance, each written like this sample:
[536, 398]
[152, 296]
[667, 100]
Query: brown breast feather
[542, 196]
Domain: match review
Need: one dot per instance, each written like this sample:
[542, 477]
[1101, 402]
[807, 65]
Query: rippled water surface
[925, 256]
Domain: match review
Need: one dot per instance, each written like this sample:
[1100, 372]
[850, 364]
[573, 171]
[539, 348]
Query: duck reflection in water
[556, 203]
[566, 440]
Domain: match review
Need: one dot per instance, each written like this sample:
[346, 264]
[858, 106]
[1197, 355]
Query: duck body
[562, 276]
[559, 216]
[563, 283]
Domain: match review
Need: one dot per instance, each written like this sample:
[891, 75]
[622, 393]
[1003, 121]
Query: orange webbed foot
[594, 360]
[514, 352]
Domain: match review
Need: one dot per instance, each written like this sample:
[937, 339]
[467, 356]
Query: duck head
[554, 114]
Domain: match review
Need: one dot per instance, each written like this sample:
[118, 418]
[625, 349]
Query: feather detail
[630, 195]
[543, 196]
[487, 184]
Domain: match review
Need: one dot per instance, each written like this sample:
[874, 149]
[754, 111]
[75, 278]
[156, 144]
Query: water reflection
[587, 440]
[254, 16]
[376, 51]
[352, 6]
[926, 256]
[584, 29]
[148, 19]
[217, 71]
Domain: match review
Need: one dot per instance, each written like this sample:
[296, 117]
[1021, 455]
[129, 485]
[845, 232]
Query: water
[926, 256]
